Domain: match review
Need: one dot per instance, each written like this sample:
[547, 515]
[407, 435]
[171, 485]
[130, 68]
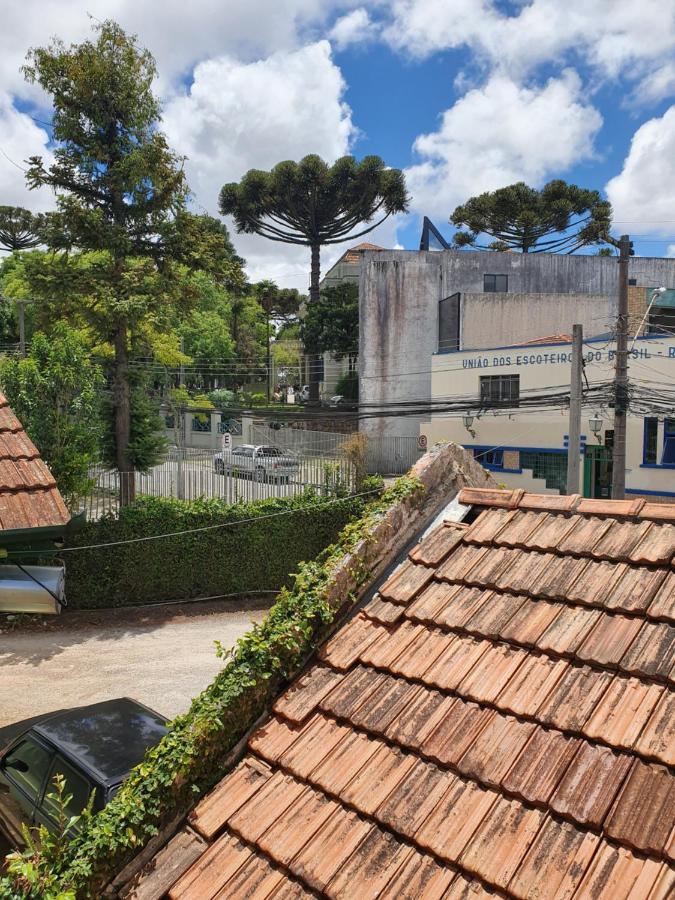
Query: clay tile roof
[353, 254]
[29, 497]
[499, 720]
[549, 339]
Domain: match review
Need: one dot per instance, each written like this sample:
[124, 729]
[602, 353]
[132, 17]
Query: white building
[527, 447]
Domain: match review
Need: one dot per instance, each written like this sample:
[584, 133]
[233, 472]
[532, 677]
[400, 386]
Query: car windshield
[270, 451]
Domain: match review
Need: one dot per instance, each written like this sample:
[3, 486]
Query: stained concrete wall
[400, 291]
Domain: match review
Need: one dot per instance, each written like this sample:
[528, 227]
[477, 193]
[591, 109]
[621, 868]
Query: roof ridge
[518, 498]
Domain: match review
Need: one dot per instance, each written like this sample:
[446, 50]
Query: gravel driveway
[162, 657]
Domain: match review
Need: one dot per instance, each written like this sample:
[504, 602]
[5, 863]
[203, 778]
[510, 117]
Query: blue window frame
[650, 437]
[492, 458]
[668, 455]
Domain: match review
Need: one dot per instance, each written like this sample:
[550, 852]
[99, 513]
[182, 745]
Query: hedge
[190, 759]
[252, 556]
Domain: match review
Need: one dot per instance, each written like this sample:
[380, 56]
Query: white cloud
[618, 37]
[239, 116]
[643, 194]
[354, 28]
[499, 134]
[670, 251]
[20, 137]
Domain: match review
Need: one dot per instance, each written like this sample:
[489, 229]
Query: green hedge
[190, 759]
[252, 556]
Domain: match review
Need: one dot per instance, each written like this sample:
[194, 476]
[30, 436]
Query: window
[492, 458]
[668, 455]
[169, 421]
[495, 284]
[76, 785]
[27, 767]
[649, 442]
[500, 390]
[632, 282]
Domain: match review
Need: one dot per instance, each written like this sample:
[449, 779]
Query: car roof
[107, 739]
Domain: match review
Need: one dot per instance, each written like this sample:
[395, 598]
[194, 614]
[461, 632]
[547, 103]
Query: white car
[259, 462]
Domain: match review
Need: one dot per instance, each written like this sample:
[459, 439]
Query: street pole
[574, 428]
[180, 475]
[621, 375]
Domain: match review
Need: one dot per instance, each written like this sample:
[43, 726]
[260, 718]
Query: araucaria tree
[313, 204]
[18, 228]
[120, 195]
[560, 218]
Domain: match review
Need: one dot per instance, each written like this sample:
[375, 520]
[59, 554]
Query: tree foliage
[313, 204]
[55, 391]
[333, 323]
[19, 228]
[121, 202]
[560, 218]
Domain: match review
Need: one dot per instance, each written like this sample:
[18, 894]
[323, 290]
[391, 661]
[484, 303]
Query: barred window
[500, 390]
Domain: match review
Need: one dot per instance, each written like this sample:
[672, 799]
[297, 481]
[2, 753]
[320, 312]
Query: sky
[465, 96]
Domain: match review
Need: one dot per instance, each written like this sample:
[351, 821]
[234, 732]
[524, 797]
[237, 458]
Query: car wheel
[260, 475]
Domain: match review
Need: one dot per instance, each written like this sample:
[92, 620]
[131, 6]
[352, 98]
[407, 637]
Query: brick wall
[637, 304]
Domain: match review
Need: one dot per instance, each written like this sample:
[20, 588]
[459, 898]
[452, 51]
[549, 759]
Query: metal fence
[385, 455]
[188, 474]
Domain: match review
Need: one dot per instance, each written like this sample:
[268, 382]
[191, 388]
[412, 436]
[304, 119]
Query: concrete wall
[400, 291]
[514, 318]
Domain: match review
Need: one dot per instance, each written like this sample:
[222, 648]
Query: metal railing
[189, 474]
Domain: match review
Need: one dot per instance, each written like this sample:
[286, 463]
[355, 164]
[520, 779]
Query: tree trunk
[122, 410]
[315, 359]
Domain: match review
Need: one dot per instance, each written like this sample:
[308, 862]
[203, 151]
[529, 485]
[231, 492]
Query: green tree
[333, 323]
[56, 393]
[281, 306]
[19, 228]
[560, 218]
[313, 204]
[120, 196]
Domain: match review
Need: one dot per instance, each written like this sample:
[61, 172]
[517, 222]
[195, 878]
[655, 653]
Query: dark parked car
[93, 747]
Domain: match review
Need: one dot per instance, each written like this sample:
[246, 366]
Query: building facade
[526, 445]
[416, 304]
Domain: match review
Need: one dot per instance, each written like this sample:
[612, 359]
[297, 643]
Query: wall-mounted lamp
[468, 422]
[595, 425]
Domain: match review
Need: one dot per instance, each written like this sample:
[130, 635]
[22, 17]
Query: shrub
[348, 386]
[257, 555]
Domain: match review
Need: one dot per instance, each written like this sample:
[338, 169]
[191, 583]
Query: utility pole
[180, 474]
[621, 374]
[574, 428]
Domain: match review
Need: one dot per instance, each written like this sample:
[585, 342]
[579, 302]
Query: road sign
[422, 442]
[227, 441]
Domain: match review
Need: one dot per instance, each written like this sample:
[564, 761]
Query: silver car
[259, 462]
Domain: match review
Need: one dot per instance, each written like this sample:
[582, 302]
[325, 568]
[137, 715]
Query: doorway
[598, 472]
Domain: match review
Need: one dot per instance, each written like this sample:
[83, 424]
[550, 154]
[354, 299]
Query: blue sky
[464, 95]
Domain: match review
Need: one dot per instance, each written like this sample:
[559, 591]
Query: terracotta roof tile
[590, 784]
[211, 813]
[540, 765]
[555, 863]
[500, 720]
[652, 653]
[438, 544]
[407, 581]
[343, 649]
[330, 847]
[456, 818]
[615, 873]
[215, 868]
[657, 738]
[644, 814]
[623, 712]
[663, 604]
[573, 698]
[497, 848]
[609, 640]
[531, 685]
[370, 867]
[381, 611]
[495, 748]
[420, 876]
[300, 700]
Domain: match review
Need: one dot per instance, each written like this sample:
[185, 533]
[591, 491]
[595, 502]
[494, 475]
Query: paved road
[162, 657]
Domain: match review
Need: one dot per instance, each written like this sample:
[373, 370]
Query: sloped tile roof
[29, 497]
[498, 720]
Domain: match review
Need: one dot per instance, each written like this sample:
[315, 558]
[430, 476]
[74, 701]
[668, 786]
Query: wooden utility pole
[621, 374]
[574, 428]
[21, 307]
